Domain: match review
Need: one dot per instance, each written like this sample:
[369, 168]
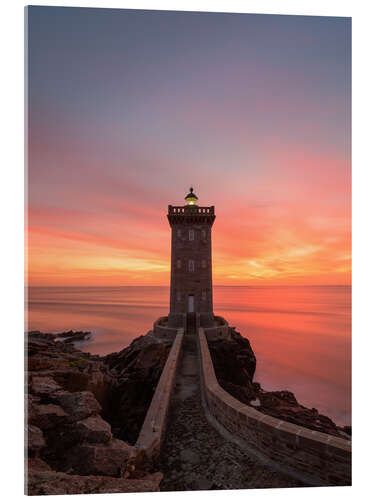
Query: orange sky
[294, 241]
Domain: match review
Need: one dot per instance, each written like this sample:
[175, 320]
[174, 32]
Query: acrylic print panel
[188, 281]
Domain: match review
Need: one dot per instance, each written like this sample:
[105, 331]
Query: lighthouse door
[191, 304]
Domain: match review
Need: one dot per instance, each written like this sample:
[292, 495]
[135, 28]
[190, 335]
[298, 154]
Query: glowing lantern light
[191, 198]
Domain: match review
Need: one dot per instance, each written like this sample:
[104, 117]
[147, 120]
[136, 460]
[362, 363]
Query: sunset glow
[127, 110]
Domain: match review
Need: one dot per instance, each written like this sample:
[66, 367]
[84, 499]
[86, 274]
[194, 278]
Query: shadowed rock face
[78, 406]
[235, 363]
[136, 370]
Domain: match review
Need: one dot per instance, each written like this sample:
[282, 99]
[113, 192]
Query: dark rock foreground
[84, 413]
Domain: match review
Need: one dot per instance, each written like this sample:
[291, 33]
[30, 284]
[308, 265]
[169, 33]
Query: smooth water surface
[301, 336]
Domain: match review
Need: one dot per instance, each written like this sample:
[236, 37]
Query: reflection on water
[301, 335]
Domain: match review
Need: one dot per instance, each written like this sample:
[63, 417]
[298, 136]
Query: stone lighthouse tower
[191, 261]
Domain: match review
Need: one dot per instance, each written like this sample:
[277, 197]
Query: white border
[11, 199]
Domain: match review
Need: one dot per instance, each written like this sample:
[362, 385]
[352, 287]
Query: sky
[127, 109]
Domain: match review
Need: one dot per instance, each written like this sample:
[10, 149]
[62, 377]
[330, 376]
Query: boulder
[47, 416]
[44, 385]
[35, 440]
[136, 371]
[37, 464]
[93, 429]
[234, 363]
[78, 405]
[107, 459]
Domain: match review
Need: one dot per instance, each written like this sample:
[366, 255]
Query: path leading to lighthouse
[194, 456]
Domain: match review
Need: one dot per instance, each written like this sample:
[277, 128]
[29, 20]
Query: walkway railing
[151, 434]
[191, 210]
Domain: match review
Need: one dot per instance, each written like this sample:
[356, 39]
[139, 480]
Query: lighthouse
[191, 261]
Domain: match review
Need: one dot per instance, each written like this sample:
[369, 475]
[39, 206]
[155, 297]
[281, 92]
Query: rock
[78, 405]
[39, 363]
[277, 398]
[94, 429]
[234, 363]
[44, 385]
[58, 483]
[47, 416]
[347, 429]
[37, 464]
[34, 438]
[72, 336]
[284, 405]
[74, 398]
[137, 370]
[109, 459]
[255, 402]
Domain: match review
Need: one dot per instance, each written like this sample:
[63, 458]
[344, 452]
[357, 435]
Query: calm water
[301, 335]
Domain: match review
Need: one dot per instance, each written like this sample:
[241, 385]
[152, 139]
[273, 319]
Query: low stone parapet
[151, 434]
[311, 456]
[219, 331]
[162, 330]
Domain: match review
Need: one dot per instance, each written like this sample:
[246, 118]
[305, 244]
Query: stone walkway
[194, 455]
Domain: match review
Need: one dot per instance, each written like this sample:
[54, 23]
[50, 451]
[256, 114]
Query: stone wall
[220, 330]
[162, 330]
[151, 434]
[311, 456]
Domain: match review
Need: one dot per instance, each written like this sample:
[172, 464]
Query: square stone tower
[191, 261]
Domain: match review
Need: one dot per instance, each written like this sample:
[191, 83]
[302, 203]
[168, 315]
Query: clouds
[127, 109]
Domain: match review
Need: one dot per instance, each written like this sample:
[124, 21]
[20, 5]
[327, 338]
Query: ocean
[301, 335]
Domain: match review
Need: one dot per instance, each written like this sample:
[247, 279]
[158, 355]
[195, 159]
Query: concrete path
[194, 455]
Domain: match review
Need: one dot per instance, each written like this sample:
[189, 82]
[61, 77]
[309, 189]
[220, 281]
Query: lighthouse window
[204, 295]
[178, 296]
[179, 263]
[203, 234]
[191, 266]
[204, 264]
[179, 233]
[191, 234]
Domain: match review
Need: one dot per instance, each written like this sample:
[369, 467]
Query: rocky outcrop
[137, 370]
[284, 405]
[235, 363]
[45, 482]
[84, 413]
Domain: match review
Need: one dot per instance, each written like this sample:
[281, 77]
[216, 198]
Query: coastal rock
[78, 405]
[137, 370]
[94, 430]
[284, 405]
[47, 416]
[44, 385]
[72, 403]
[71, 336]
[58, 483]
[235, 363]
[35, 440]
[37, 464]
[108, 459]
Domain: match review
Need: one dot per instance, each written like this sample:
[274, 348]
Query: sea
[301, 335]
